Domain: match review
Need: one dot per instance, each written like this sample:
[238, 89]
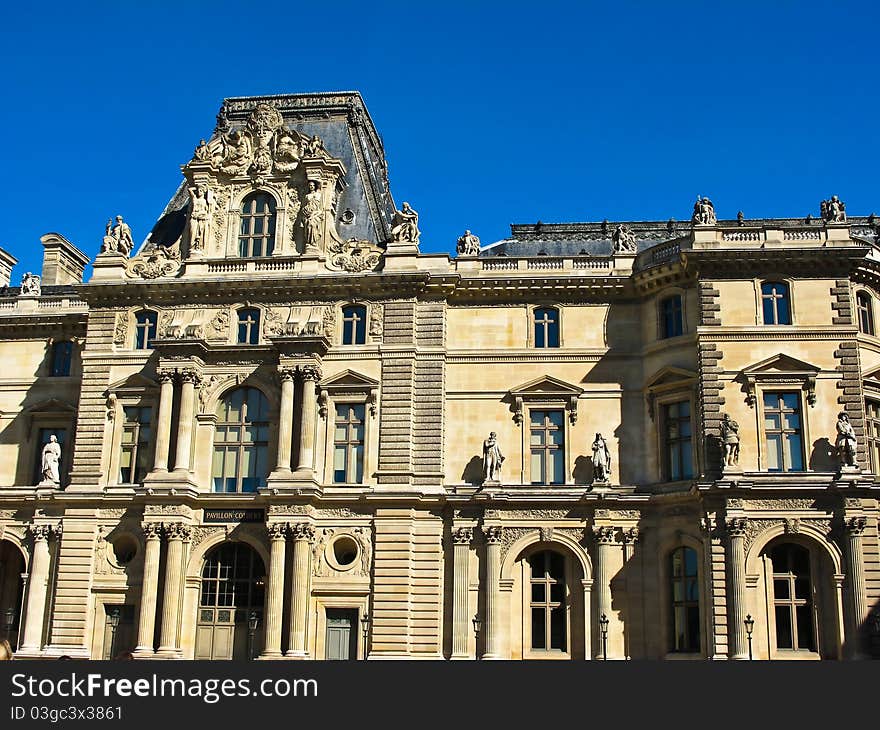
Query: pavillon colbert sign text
[233, 515]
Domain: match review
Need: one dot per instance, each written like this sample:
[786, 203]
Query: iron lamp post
[750, 626]
[603, 627]
[253, 624]
[365, 628]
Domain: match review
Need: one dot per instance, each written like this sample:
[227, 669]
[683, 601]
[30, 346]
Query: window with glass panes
[134, 460]
[684, 591]
[62, 352]
[547, 601]
[872, 424]
[792, 598]
[348, 444]
[256, 236]
[672, 322]
[248, 326]
[354, 325]
[775, 302]
[547, 443]
[865, 308]
[546, 327]
[678, 441]
[144, 330]
[241, 442]
[233, 577]
[782, 432]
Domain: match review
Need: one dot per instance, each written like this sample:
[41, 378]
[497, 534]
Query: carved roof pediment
[780, 364]
[670, 376]
[546, 386]
[872, 374]
[349, 379]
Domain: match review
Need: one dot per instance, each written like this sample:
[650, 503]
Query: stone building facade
[272, 425]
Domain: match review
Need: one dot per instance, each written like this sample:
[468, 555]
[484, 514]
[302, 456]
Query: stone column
[149, 590]
[855, 526]
[188, 380]
[604, 549]
[303, 536]
[736, 594]
[275, 597]
[176, 533]
[285, 419]
[492, 620]
[310, 374]
[37, 585]
[630, 539]
[163, 422]
[461, 624]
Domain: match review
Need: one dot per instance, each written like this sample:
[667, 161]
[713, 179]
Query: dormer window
[256, 235]
[248, 326]
[145, 330]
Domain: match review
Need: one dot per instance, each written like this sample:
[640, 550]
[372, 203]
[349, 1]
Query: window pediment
[51, 408]
[348, 384]
[871, 380]
[666, 380]
[546, 389]
[780, 370]
[134, 384]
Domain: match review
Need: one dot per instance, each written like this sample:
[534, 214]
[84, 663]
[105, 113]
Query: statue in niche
[237, 153]
[202, 153]
[834, 210]
[313, 216]
[846, 440]
[315, 147]
[50, 461]
[287, 152]
[30, 285]
[468, 245]
[704, 212]
[624, 239]
[492, 459]
[405, 225]
[601, 460]
[202, 198]
[729, 441]
[117, 238]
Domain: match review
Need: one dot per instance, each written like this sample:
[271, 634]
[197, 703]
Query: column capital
[189, 375]
[302, 531]
[630, 536]
[309, 372]
[736, 526]
[463, 535]
[277, 530]
[177, 531]
[855, 525]
[286, 373]
[604, 534]
[40, 533]
[165, 375]
[493, 534]
[152, 530]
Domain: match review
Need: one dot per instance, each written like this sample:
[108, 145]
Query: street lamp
[603, 627]
[365, 628]
[253, 623]
[750, 626]
[9, 620]
[478, 627]
[113, 619]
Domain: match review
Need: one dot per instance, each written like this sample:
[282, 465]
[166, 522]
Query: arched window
[684, 601]
[865, 307]
[241, 441]
[775, 302]
[248, 326]
[145, 330]
[671, 320]
[354, 324]
[256, 236]
[792, 598]
[62, 352]
[547, 327]
[548, 601]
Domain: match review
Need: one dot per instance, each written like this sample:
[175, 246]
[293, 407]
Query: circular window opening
[347, 216]
[124, 550]
[345, 551]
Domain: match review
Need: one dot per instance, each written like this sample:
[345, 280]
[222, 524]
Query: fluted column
[736, 595]
[163, 421]
[275, 598]
[630, 538]
[605, 547]
[188, 380]
[310, 374]
[461, 542]
[149, 589]
[37, 585]
[176, 533]
[492, 621]
[285, 419]
[855, 526]
[303, 535]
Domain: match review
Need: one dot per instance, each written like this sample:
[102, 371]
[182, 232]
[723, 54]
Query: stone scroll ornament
[155, 263]
[354, 256]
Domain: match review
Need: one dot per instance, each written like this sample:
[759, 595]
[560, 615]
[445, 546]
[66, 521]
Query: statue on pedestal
[117, 238]
[201, 197]
[468, 245]
[405, 225]
[834, 210]
[30, 285]
[50, 461]
[313, 216]
[624, 239]
[601, 460]
[729, 441]
[492, 459]
[704, 212]
[846, 440]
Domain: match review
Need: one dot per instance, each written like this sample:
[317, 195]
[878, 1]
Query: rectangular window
[783, 433]
[61, 356]
[547, 443]
[872, 413]
[546, 327]
[672, 321]
[348, 444]
[678, 440]
[134, 460]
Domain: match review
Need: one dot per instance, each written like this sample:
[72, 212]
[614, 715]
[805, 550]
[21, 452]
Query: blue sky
[491, 112]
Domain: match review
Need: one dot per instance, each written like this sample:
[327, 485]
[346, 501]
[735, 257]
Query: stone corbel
[323, 400]
[373, 402]
[518, 411]
[572, 409]
[810, 387]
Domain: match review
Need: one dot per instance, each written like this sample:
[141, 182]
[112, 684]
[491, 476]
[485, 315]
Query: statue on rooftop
[834, 210]
[315, 147]
[405, 225]
[704, 212]
[624, 239]
[202, 153]
[468, 244]
[117, 238]
[30, 284]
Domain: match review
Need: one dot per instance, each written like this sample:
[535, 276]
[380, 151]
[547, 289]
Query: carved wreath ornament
[354, 256]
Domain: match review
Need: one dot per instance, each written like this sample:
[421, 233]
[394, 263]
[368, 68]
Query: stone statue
[315, 147]
[405, 225]
[601, 460]
[313, 216]
[624, 239]
[833, 211]
[202, 197]
[202, 154]
[492, 459]
[237, 151]
[117, 238]
[287, 152]
[729, 441]
[740, 218]
[468, 245]
[846, 440]
[30, 285]
[704, 212]
[51, 459]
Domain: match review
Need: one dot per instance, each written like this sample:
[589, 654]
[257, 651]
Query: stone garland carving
[164, 325]
[754, 528]
[110, 405]
[294, 204]
[617, 514]
[205, 389]
[291, 509]
[328, 322]
[222, 195]
[538, 514]
[510, 535]
[218, 327]
[778, 504]
[112, 512]
[177, 510]
[120, 331]
[354, 256]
